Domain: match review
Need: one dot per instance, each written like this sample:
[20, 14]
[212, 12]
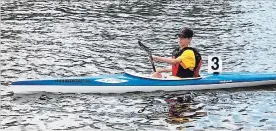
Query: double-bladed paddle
[149, 54]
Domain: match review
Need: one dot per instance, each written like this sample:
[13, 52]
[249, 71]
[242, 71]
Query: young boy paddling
[185, 61]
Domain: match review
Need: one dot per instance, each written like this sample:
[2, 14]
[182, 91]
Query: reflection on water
[183, 110]
[79, 38]
[233, 109]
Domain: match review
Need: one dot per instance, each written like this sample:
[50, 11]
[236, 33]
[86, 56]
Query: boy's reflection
[182, 110]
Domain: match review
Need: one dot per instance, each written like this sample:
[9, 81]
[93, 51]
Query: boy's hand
[159, 70]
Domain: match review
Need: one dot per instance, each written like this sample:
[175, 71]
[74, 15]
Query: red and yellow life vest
[183, 71]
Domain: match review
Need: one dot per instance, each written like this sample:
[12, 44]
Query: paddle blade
[143, 46]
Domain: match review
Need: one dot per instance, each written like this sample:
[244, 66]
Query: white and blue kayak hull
[121, 83]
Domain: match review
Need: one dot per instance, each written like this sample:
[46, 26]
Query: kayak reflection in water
[182, 110]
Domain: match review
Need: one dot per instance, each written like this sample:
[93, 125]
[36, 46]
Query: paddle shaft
[152, 63]
[149, 54]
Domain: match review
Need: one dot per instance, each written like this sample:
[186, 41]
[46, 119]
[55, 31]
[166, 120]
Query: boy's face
[183, 42]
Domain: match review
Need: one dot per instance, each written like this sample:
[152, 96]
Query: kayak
[131, 82]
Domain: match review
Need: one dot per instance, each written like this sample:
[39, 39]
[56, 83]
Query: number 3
[214, 64]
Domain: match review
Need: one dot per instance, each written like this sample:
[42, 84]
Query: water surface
[62, 38]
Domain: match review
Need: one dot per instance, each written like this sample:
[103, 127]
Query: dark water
[61, 38]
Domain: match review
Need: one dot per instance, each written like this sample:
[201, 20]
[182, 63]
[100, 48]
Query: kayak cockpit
[166, 77]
